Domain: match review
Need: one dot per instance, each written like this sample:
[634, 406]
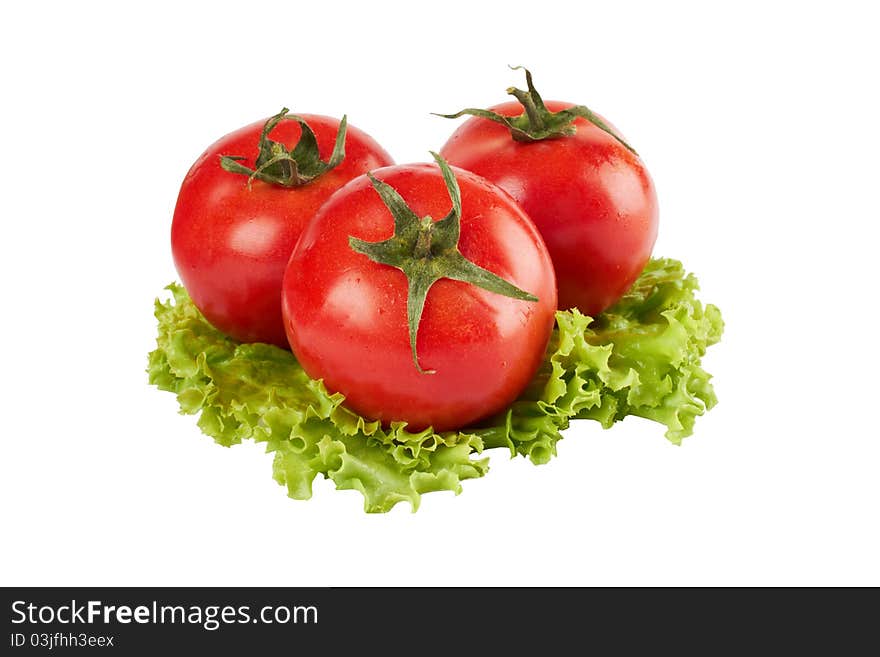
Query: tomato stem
[278, 165]
[537, 123]
[426, 251]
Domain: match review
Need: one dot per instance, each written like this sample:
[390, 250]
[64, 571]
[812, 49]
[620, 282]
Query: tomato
[589, 195]
[348, 317]
[231, 240]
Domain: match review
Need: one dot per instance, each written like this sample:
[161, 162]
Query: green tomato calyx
[278, 165]
[537, 123]
[426, 251]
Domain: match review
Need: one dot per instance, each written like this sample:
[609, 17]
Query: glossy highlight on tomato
[346, 315]
[231, 241]
[591, 198]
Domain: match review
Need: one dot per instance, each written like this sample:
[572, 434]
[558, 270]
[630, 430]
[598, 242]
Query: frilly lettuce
[641, 357]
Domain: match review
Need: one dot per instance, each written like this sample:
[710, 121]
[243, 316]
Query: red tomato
[346, 315]
[591, 198]
[231, 243]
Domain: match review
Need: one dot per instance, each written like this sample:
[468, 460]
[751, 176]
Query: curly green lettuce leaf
[259, 392]
[641, 357]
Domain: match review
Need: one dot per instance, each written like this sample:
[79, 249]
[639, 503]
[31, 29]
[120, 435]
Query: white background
[759, 124]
